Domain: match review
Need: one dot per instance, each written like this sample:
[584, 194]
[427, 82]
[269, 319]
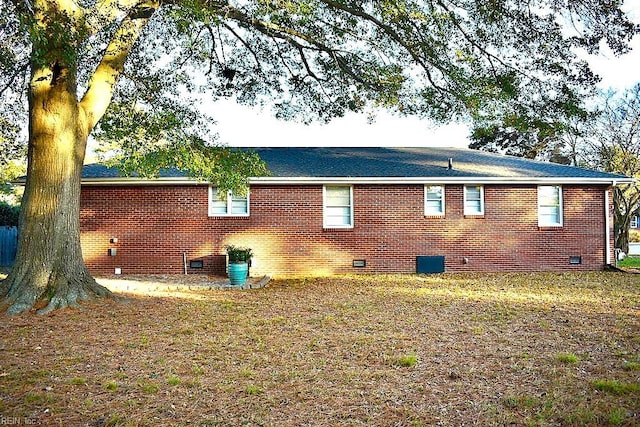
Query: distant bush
[9, 214]
[634, 236]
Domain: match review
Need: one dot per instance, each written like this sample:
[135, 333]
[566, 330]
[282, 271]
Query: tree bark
[623, 212]
[49, 269]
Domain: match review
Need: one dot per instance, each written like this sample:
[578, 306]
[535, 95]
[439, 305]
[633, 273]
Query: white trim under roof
[439, 180]
[367, 180]
[142, 181]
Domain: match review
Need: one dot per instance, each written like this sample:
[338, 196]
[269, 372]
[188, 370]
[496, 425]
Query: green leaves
[616, 144]
[238, 254]
[143, 142]
[9, 146]
[311, 60]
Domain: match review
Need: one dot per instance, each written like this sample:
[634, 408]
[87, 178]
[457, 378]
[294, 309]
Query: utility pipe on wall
[184, 261]
[607, 231]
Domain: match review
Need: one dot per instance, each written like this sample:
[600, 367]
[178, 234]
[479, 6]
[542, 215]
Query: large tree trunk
[49, 270]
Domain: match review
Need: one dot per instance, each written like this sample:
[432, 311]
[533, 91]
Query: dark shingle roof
[408, 162]
[375, 162]
[99, 171]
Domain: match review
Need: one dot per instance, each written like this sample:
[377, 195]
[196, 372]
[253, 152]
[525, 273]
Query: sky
[241, 126]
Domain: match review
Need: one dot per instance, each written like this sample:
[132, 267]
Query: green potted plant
[239, 262]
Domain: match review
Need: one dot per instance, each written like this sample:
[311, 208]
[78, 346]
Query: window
[473, 200]
[550, 205]
[434, 200]
[634, 222]
[227, 204]
[338, 206]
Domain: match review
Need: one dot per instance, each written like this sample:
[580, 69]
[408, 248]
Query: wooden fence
[8, 245]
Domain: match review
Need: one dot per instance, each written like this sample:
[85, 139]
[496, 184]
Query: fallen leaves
[355, 350]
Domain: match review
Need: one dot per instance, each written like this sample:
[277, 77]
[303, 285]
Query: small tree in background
[9, 214]
[9, 172]
[615, 147]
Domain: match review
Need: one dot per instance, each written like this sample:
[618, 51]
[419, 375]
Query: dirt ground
[405, 350]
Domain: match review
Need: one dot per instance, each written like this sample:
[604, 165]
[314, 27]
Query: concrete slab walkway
[151, 283]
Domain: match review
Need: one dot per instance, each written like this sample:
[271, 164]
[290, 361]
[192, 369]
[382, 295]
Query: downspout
[607, 219]
[184, 262]
[607, 225]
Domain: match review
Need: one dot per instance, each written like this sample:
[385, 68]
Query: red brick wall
[155, 225]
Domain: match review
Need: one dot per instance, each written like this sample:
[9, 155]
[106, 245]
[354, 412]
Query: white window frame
[466, 210]
[558, 206]
[213, 194]
[442, 201]
[634, 222]
[325, 223]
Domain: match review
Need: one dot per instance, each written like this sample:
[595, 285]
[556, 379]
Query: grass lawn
[630, 262]
[493, 349]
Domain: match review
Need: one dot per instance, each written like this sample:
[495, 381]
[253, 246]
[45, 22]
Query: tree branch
[292, 36]
[100, 90]
[213, 48]
[244, 42]
[21, 70]
[106, 12]
[395, 37]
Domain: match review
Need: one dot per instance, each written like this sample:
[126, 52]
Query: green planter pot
[238, 273]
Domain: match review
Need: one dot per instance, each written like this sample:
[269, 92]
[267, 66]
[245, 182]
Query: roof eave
[442, 180]
[367, 180]
[142, 181]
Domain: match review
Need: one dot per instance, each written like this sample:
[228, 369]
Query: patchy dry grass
[502, 349]
[630, 262]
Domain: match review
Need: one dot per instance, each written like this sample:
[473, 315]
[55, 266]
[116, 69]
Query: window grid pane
[227, 204]
[239, 205]
[337, 212]
[434, 204]
[337, 196]
[549, 205]
[473, 193]
[473, 206]
[473, 200]
[218, 203]
[218, 208]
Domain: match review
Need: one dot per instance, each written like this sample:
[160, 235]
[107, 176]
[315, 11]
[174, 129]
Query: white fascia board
[369, 180]
[436, 180]
[142, 181]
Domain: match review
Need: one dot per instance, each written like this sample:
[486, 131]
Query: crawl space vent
[429, 264]
[196, 263]
[575, 260]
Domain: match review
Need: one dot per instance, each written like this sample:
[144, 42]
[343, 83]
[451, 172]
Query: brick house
[342, 210]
